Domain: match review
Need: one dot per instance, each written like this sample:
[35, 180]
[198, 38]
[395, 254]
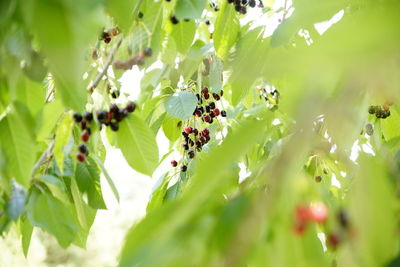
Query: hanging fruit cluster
[381, 112]
[206, 112]
[241, 5]
[318, 213]
[107, 35]
[110, 118]
[139, 60]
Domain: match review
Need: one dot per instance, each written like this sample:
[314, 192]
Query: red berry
[85, 136]
[81, 157]
[300, 228]
[206, 95]
[206, 131]
[319, 212]
[206, 118]
[188, 130]
[333, 241]
[204, 90]
[174, 163]
[302, 214]
[195, 131]
[216, 112]
[109, 116]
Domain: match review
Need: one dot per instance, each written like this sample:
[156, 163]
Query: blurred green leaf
[189, 9]
[18, 144]
[226, 30]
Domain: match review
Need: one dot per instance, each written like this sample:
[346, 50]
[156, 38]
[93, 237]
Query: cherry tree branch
[43, 157]
[98, 78]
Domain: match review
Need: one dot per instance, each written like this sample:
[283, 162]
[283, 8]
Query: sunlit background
[110, 226]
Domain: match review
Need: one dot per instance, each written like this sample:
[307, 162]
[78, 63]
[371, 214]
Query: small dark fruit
[318, 178]
[83, 124]
[212, 105]
[206, 96]
[101, 115]
[148, 52]
[77, 117]
[195, 131]
[174, 163]
[114, 109]
[83, 149]
[206, 131]
[216, 112]
[185, 146]
[204, 90]
[115, 94]
[183, 168]
[114, 126]
[223, 113]
[372, 109]
[81, 157]
[191, 154]
[85, 136]
[216, 96]
[174, 20]
[130, 107]
[88, 116]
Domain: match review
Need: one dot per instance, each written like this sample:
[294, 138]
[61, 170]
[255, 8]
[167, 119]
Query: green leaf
[48, 118]
[26, 232]
[189, 9]
[226, 29]
[157, 196]
[216, 75]
[57, 27]
[183, 34]
[138, 144]
[85, 215]
[248, 63]
[18, 145]
[51, 215]
[63, 134]
[16, 204]
[108, 178]
[171, 128]
[181, 105]
[88, 179]
[123, 11]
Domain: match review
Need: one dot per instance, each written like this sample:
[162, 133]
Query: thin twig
[104, 71]
[43, 157]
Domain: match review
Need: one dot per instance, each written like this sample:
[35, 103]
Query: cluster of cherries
[110, 118]
[241, 5]
[318, 213]
[193, 138]
[107, 35]
[381, 112]
[139, 60]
